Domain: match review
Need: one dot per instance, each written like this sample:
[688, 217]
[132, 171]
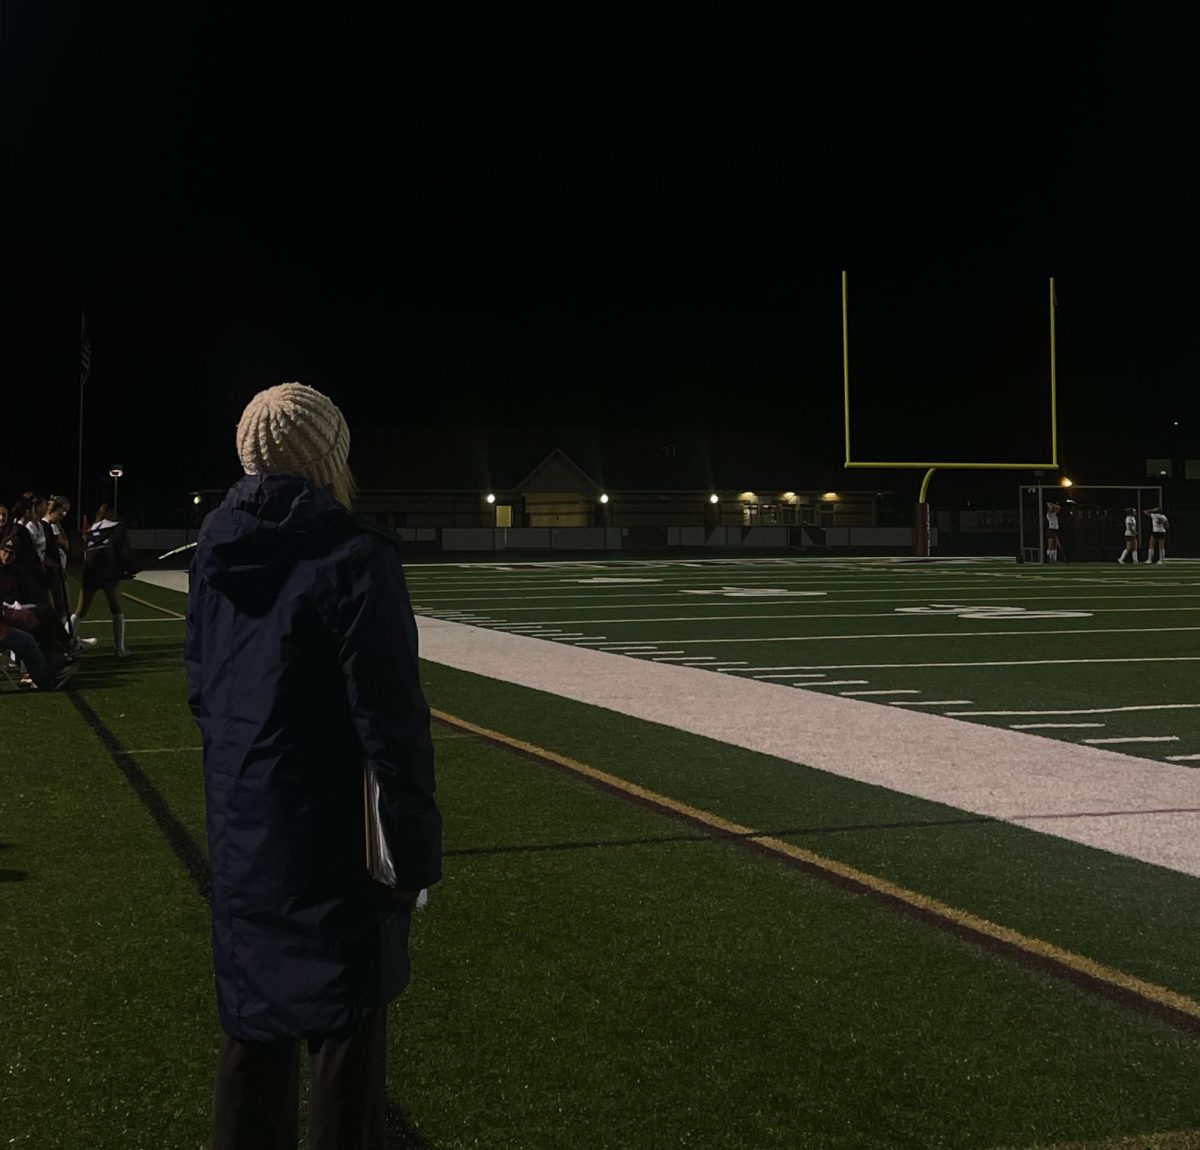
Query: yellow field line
[1046, 952]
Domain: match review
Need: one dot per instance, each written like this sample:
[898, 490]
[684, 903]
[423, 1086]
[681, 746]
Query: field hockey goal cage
[1091, 520]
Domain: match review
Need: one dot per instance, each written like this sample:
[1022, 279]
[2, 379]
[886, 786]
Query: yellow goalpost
[922, 518]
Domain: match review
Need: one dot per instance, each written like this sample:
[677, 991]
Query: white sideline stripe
[1050, 726]
[832, 683]
[740, 665]
[1090, 710]
[1015, 776]
[103, 620]
[159, 750]
[905, 691]
[685, 658]
[928, 703]
[1182, 758]
[1136, 739]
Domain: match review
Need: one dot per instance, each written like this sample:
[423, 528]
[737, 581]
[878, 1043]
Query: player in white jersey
[1158, 535]
[1053, 542]
[1130, 554]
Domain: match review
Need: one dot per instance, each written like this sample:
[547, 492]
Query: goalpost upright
[921, 527]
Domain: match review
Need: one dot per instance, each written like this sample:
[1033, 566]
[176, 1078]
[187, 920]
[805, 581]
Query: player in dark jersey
[106, 561]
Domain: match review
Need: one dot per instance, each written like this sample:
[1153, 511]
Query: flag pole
[85, 364]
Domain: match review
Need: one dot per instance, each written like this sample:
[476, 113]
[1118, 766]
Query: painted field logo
[976, 612]
[752, 592]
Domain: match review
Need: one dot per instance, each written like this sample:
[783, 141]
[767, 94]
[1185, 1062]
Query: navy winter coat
[302, 664]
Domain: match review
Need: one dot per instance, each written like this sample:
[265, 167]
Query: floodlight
[490, 497]
[1065, 482]
[603, 498]
[830, 496]
[713, 499]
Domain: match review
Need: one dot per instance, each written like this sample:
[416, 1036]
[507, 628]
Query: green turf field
[595, 971]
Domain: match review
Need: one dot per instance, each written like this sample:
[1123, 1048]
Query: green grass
[591, 972]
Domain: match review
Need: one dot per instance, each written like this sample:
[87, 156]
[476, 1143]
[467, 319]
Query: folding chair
[10, 672]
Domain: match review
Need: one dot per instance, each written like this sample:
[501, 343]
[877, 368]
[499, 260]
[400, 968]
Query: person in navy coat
[303, 677]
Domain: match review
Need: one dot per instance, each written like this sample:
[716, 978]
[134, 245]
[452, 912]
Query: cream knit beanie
[292, 429]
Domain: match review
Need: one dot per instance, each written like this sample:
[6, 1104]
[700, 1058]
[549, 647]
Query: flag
[85, 350]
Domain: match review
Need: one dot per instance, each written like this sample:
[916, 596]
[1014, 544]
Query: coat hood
[265, 524]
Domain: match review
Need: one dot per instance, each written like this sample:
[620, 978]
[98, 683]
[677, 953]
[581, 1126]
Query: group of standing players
[1156, 552]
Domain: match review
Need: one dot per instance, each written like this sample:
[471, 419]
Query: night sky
[592, 221]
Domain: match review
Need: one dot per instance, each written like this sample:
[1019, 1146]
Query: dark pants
[58, 593]
[258, 1091]
[110, 593]
[25, 647]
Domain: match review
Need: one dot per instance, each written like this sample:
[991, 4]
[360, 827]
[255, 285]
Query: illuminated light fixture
[829, 496]
[603, 498]
[713, 499]
[1065, 482]
[788, 496]
[116, 471]
[748, 496]
[196, 499]
[490, 497]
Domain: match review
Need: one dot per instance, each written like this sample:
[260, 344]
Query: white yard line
[804, 668]
[832, 683]
[793, 675]
[1142, 808]
[1087, 710]
[929, 703]
[1182, 758]
[590, 599]
[1134, 738]
[989, 663]
[1077, 604]
[905, 691]
[1051, 726]
[997, 634]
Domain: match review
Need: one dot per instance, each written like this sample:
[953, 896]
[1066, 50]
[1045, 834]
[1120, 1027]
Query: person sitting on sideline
[1158, 535]
[24, 634]
[106, 561]
[302, 673]
[1130, 554]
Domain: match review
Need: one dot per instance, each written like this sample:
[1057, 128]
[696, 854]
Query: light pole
[116, 471]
